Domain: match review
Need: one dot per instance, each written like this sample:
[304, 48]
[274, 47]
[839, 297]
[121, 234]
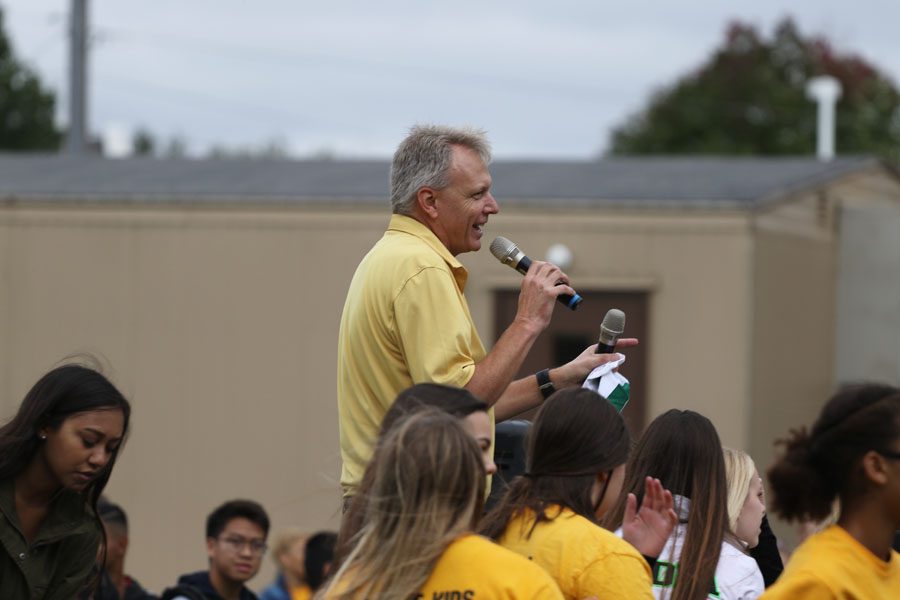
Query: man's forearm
[520, 395]
[495, 371]
[524, 394]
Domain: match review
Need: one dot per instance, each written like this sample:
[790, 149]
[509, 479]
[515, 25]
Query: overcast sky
[545, 79]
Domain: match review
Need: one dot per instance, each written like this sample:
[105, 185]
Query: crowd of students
[674, 515]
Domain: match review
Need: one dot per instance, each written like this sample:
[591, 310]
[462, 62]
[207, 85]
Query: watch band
[544, 384]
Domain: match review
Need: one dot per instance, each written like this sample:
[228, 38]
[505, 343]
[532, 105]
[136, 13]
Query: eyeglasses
[237, 543]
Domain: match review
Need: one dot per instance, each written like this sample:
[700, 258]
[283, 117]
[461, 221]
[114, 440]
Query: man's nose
[491, 207]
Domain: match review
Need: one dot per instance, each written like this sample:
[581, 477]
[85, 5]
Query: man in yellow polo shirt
[406, 319]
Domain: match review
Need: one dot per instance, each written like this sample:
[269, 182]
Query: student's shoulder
[800, 584]
[732, 553]
[594, 539]
[737, 564]
[475, 549]
[512, 575]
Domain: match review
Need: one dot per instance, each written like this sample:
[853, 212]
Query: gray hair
[424, 158]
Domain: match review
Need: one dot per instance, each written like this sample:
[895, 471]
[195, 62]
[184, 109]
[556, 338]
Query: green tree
[26, 109]
[750, 98]
[143, 143]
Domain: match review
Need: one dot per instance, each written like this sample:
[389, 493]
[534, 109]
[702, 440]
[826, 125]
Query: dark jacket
[133, 590]
[766, 553]
[59, 561]
[201, 582]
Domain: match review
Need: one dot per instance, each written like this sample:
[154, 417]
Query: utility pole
[76, 139]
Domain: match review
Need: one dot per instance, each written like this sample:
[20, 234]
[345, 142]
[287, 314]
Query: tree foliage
[143, 143]
[26, 109]
[750, 98]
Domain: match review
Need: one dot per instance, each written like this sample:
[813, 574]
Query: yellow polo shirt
[583, 559]
[405, 321]
[833, 564]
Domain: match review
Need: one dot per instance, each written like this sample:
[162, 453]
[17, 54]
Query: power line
[297, 59]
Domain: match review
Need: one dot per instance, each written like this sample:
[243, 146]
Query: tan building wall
[795, 315]
[220, 324]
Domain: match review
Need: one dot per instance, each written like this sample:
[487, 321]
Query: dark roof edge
[836, 173]
[236, 201]
[245, 202]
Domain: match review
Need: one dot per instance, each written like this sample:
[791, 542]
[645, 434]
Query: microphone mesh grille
[614, 320]
[502, 247]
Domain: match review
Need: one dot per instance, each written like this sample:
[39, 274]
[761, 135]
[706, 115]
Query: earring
[43, 437]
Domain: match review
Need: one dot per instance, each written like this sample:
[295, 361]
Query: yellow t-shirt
[583, 558]
[405, 321]
[301, 592]
[475, 568]
[832, 564]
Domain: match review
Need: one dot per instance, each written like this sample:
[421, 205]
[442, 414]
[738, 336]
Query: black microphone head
[503, 249]
[613, 323]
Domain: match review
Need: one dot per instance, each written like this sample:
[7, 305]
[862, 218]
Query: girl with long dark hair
[682, 449]
[458, 402]
[575, 458]
[852, 454]
[417, 537]
[56, 456]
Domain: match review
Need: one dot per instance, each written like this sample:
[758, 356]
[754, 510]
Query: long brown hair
[427, 490]
[454, 401]
[576, 436]
[682, 449]
[823, 464]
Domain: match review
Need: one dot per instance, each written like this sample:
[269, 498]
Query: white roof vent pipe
[825, 91]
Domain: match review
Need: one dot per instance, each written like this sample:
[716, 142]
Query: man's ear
[875, 468]
[426, 200]
[210, 546]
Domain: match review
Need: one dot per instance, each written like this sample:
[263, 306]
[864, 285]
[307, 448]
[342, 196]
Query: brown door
[570, 332]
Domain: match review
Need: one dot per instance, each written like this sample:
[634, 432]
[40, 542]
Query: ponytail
[820, 465]
[800, 488]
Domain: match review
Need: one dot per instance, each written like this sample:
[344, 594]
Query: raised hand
[648, 529]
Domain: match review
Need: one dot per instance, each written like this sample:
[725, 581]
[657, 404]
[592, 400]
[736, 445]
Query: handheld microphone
[611, 328]
[509, 254]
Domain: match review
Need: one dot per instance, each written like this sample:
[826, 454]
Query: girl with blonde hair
[417, 539]
[746, 509]
[746, 503]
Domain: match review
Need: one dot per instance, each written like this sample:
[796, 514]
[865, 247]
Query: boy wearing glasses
[235, 542]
